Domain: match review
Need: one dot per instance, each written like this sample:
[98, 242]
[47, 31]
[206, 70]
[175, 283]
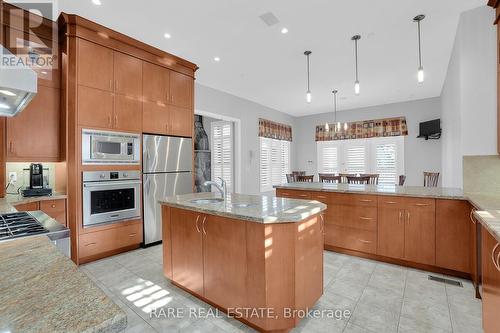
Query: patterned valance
[363, 129]
[273, 130]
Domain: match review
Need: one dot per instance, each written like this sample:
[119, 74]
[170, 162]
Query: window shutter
[274, 162]
[328, 159]
[222, 152]
[355, 158]
[386, 162]
[265, 165]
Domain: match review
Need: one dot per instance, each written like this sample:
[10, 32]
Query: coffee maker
[36, 187]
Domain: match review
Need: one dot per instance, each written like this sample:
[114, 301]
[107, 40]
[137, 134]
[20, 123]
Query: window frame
[280, 164]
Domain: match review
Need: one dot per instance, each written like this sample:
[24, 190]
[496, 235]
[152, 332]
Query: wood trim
[86, 29]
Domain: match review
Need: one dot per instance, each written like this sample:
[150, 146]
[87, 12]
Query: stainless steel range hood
[18, 84]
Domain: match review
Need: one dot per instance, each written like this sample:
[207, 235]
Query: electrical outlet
[12, 177]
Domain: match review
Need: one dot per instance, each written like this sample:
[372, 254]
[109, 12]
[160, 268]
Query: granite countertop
[7, 204]
[490, 219]
[262, 209]
[43, 291]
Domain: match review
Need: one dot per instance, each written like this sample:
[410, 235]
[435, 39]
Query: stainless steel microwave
[103, 147]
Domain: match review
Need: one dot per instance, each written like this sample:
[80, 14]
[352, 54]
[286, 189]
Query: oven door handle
[112, 184]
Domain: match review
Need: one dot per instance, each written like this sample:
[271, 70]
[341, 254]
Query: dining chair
[358, 180]
[298, 173]
[402, 179]
[344, 176]
[329, 178]
[431, 179]
[304, 179]
[373, 178]
[290, 178]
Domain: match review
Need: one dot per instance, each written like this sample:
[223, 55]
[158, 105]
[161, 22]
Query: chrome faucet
[222, 187]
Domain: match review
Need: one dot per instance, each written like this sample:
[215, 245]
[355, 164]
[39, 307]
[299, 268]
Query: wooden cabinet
[55, 209]
[224, 261]
[181, 90]
[180, 121]
[155, 118]
[95, 107]
[27, 207]
[95, 66]
[391, 228]
[453, 235]
[34, 134]
[420, 230]
[351, 238]
[127, 75]
[156, 83]
[490, 258]
[127, 115]
[187, 249]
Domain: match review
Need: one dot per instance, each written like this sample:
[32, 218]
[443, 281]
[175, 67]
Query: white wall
[420, 155]
[224, 104]
[469, 94]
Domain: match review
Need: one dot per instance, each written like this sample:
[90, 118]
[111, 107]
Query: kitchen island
[257, 258]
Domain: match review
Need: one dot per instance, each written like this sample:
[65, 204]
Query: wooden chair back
[304, 179]
[431, 179]
[329, 178]
[298, 173]
[402, 179]
[343, 177]
[373, 178]
[358, 180]
[290, 178]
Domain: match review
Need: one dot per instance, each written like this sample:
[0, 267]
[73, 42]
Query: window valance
[274, 130]
[363, 129]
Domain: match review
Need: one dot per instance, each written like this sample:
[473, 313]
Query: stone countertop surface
[10, 200]
[487, 204]
[43, 291]
[263, 208]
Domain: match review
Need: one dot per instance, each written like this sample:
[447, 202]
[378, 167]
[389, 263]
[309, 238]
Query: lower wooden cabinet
[420, 230]
[28, 207]
[391, 227]
[93, 245]
[53, 208]
[490, 258]
[351, 238]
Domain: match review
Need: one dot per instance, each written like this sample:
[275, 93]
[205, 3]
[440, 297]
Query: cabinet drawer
[321, 197]
[294, 194]
[109, 239]
[355, 199]
[390, 202]
[422, 203]
[359, 217]
[55, 209]
[27, 207]
[351, 239]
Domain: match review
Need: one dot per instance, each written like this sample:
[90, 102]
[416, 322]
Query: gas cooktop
[16, 225]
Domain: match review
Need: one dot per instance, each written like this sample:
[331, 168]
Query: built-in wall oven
[111, 196]
[104, 147]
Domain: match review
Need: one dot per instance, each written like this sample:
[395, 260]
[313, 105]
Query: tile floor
[380, 297]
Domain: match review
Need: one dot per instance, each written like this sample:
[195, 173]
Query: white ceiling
[261, 64]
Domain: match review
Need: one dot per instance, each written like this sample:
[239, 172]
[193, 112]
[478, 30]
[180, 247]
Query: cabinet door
[491, 282]
[34, 134]
[420, 230]
[181, 90]
[391, 228]
[55, 209]
[181, 121]
[127, 114]
[453, 235]
[95, 65]
[27, 207]
[155, 85]
[155, 118]
[95, 107]
[187, 249]
[224, 243]
[127, 75]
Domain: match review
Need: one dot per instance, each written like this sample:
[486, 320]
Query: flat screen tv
[430, 129]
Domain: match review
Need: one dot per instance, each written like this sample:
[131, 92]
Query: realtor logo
[30, 36]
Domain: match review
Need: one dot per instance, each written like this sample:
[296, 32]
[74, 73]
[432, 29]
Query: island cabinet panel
[490, 263]
[391, 227]
[453, 235]
[225, 262]
[187, 249]
[420, 230]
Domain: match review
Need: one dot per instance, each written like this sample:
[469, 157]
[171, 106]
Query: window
[274, 163]
[222, 152]
[384, 156]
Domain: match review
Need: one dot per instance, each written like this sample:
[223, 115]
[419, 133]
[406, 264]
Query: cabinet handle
[172, 98]
[400, 216]
[197, 227]
[109, 121]
[495, 260]
[321, 196]
[408, 221]
[472, 215]
[365, 200]
[116, 121]
[303, 195]
[11, 147]
[421, 205]
[89, 244]
[111, 84]
[203, 225]
[116, 85]
[132, 235]
[365, 218]
[365, 241]
[322, 224]
[53, 206]
[390, 202]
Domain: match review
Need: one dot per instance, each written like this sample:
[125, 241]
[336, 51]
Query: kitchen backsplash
[482, 174]
[22, 171]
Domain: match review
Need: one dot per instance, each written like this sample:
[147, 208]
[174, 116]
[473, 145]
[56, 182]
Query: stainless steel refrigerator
[167, 167]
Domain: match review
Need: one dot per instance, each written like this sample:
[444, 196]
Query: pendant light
[308, 93]
[420, 73]
[355, 38]
[336, 126]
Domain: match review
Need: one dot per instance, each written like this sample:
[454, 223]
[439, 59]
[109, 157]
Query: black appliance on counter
[36, 188]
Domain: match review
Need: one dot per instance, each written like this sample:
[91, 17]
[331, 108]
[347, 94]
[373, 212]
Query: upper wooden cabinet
[180, 121]
[127, 75]
[95, 66]
[34, 134]
[181, 90]
[155, 118]
[95, 107]
[156, 83]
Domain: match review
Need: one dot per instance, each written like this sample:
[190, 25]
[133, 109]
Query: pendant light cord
[419, 46]
[356, 56]
[308, 73]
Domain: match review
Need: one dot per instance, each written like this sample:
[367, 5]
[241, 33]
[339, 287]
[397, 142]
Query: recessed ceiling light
[216, 59]
[167, 35]
[97, 2]
[284, 31]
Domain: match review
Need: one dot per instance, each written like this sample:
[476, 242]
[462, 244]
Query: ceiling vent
[269, 19]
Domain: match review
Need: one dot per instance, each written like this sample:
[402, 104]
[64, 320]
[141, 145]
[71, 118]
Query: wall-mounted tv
[430, 129]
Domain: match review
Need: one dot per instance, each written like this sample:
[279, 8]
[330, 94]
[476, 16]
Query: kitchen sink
[207, 201]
